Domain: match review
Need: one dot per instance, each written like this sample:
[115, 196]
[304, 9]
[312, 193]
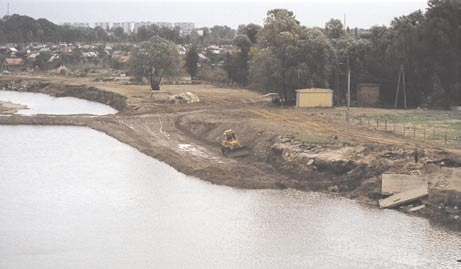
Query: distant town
[132, 27]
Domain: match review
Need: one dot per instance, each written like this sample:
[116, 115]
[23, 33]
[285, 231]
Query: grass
[426, 125]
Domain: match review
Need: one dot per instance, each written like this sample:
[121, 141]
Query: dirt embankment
[112, 99]
[187, 137]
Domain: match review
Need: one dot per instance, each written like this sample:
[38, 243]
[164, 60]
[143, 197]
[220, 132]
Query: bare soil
[305, 149]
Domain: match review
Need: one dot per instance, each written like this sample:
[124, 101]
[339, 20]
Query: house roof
[124, 58]
[314, 90]
[14, 61]
[90, 54]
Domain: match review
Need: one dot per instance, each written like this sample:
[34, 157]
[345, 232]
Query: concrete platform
[403, 197]
[397, 183]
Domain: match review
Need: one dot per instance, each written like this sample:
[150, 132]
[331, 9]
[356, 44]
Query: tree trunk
[154, 84]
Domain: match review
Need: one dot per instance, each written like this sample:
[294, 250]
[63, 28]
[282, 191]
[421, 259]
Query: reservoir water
[39, 103]
[72, 197]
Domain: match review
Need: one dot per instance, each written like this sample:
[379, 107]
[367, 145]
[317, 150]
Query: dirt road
[294, 148]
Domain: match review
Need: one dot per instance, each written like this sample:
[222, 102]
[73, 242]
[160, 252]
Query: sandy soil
[187, 136]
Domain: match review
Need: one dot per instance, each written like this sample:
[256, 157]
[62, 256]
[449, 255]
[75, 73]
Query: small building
[13, 64]
[314, 98]
[368, 94]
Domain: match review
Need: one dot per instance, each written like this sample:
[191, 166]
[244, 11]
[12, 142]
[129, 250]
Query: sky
[359, 13]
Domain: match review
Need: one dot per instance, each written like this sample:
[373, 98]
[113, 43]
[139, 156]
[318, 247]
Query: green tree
[192, 62]
[153, 60]
[119, 33]
[239, 62]
[442, 32]
[334, 29]
[293, 55]
[250, 30]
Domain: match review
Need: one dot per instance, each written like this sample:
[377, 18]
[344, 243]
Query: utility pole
[401, 76]
[348, 88]
[404, 89]
[298, 76]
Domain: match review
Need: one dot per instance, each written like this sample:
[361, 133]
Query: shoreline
[276, 161]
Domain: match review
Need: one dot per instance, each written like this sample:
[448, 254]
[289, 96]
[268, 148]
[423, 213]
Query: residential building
[77, 24]
[13, 64]
[104, 25]
[185, 27]
[126, 26]
[138, 25]
[165, 24]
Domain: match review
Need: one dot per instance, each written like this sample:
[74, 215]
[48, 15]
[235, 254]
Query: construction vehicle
[230, 145]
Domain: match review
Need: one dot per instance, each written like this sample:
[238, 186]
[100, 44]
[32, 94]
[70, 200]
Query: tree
[192, 62]
[119, 33]
[334, 28]
[239, 62]
[442, 32]
[153, 60]
[250, 30]
[220, 35]
[290, 56]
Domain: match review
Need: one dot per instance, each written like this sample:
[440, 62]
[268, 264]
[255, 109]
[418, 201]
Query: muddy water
[39, 103]
[75, 198]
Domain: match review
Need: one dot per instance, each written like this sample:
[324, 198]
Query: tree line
[288, 56]
[24, 29]
[282, 55]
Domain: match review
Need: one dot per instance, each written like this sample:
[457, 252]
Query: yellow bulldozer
[230, 145]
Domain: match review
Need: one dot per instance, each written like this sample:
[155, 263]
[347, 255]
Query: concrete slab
[403, 197]
[397, 183]
[416, 208]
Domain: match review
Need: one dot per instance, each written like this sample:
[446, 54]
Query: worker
[416, 154]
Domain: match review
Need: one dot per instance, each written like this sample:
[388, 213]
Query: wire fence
[428, 133]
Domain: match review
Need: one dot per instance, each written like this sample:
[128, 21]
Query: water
[39, 103]
[72, 197]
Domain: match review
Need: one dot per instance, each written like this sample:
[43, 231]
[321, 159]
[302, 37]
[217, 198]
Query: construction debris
[404, 197]
[397, 183]
[416, 208]
[184, 98]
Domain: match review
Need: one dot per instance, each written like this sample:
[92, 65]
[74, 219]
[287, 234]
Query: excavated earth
[308, 150]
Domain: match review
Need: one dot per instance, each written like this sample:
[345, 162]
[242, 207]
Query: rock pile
[184, 98]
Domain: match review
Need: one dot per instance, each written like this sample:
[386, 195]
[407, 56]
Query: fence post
[385, 125]
[457, 140]
[394, 126]
[424, 130]
[446, 137]
[414, 130]
[433, 137]
[377, 123]
[404, 129]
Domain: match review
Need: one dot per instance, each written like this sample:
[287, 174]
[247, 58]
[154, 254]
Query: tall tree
[442, 39]
[250, 30]
[192, 62]
[298, 57]
[154, 59]
[334, 29]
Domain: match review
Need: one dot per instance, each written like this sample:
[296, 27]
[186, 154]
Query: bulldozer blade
[239, 152]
